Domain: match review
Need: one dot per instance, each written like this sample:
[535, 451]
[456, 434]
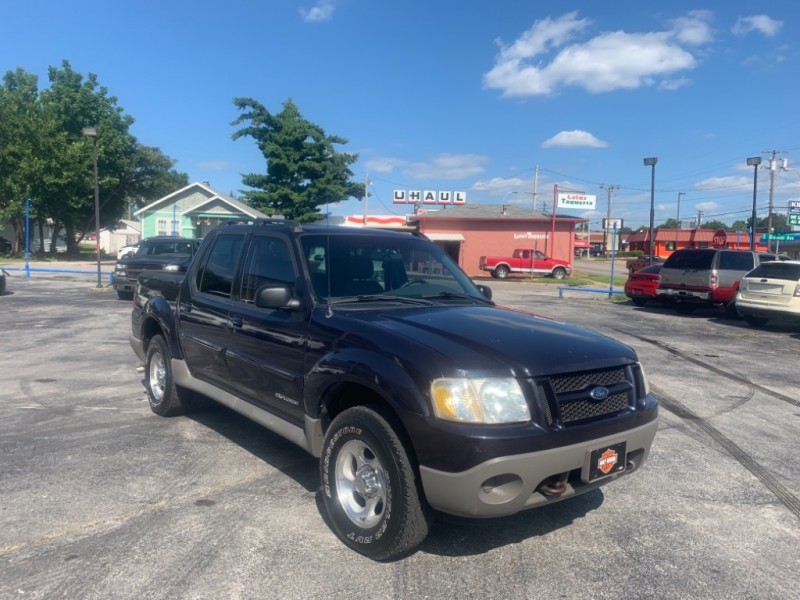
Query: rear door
[204, 307]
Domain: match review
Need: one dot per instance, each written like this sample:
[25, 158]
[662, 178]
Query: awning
[445, 237]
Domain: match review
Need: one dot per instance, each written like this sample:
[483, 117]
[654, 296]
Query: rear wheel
[165, 398]
[501, 272]
[370, 486]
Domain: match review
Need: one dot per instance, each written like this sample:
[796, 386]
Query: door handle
[236, 322]
[186, 307]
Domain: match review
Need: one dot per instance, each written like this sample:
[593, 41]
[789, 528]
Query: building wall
[501, 237]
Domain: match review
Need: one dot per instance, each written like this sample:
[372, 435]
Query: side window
[526, 254]
[216, 275]
[736, 261]
[268, 261]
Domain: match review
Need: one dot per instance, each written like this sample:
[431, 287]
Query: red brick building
[666, 241]
[470, 231]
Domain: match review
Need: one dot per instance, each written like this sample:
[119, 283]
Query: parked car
[373, 351]
[642, 285]
[640, 262]
[127, 250]
[694, 277]
[161, 253]
[5, 246]
[770, 291]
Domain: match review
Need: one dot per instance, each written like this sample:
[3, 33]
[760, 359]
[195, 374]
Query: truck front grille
[568, 398]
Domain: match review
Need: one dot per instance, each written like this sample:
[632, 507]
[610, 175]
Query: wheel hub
[366, 482]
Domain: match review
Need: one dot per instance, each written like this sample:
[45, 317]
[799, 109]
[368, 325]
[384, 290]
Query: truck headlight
[490, 400]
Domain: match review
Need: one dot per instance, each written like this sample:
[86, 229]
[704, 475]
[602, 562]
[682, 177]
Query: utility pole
[773, 166]
[699, 218]
[610, 190]
[535, 187]
[678, 220]
[366, 199]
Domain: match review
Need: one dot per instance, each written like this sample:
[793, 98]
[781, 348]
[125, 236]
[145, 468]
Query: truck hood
[489, 339]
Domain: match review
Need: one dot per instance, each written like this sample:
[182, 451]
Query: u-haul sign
[428, 197]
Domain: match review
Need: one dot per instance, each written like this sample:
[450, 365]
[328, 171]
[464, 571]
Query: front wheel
[370, 487]
[166, 398]
[559, 273]
[501, 272]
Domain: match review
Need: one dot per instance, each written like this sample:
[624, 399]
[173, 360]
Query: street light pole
[92, 133]
[651, 162]
[754, 161]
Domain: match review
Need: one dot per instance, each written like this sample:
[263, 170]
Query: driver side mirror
[277, 297]
[485, 290]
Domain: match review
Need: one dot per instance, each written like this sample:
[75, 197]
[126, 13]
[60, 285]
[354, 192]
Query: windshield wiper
[380, 298]
[459, 296]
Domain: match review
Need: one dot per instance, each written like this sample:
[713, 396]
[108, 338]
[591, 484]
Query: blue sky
[458, 96]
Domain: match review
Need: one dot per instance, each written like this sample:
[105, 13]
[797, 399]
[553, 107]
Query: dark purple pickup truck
[415, 391]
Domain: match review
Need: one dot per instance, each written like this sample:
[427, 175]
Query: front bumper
[506, 485]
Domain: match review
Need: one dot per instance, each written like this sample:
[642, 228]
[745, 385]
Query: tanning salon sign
[429, 197]
[579, 201]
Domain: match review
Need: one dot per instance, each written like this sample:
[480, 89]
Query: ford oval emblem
[599, 393]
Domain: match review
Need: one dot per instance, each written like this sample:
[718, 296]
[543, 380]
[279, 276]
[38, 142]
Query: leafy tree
[741, 225]
[715, 225]
[45, 156]
[304, 170]
[20, 136]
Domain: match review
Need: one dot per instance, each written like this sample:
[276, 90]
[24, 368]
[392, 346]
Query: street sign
[794, 218]
[794, 206]
[783, 237]
[720, 239]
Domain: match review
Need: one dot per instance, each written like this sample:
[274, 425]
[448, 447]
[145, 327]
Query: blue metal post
[27, 238]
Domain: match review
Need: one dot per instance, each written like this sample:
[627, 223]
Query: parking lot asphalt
[99, 498]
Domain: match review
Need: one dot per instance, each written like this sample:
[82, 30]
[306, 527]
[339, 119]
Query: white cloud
[448, 166]
[215, 165]
[574, 139]
[609, 61]
[499, 185]
[321, 11]
[716, 183]
[382, 164]
[760, 23]
[707, 207]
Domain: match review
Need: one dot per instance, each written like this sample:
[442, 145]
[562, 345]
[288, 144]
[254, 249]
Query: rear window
[776, 270]
[690, 259]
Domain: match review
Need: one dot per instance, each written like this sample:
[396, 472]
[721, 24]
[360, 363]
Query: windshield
[347, 267]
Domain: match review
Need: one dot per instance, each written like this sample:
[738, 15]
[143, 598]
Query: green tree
[304, 170]
[20, 138]
[715, 225]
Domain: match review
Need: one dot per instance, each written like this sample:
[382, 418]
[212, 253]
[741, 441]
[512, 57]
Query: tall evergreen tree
[304, 170]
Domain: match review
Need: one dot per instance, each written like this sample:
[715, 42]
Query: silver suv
[695, 277]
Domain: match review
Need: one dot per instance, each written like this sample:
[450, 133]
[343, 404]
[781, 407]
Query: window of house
[161, 227]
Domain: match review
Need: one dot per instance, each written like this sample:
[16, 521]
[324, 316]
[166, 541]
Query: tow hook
[555, 486]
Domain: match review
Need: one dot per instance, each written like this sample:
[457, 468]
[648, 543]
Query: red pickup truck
[525, 262]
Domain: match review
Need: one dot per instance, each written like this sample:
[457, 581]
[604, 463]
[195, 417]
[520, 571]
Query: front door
[266, 348]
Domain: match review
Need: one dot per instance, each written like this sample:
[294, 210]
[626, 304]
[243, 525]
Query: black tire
[754, 321]
[370, 487]
[639, 301]
[122, 295]
[166, 398]
[559, 273]
[501, 272]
